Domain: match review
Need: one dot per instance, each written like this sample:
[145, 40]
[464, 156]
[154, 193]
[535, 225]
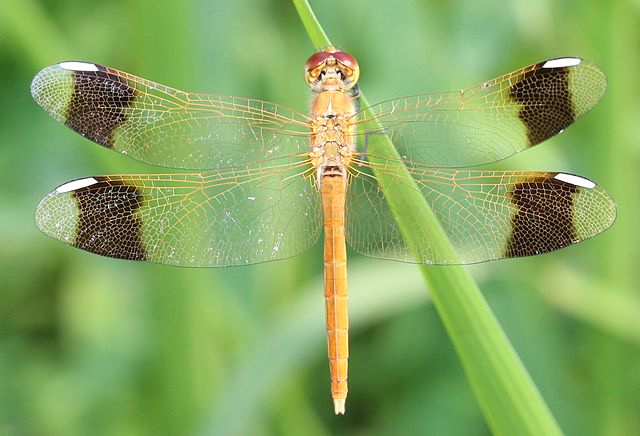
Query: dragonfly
[259, 182]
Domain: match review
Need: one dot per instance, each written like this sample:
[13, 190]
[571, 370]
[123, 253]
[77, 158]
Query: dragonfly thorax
[332, 131]
[331, 144]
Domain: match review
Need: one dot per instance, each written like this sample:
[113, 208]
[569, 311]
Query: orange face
[331, 63]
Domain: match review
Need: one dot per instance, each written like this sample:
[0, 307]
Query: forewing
[235, 216]
[164, 126]
[486, 215]
[490, 121]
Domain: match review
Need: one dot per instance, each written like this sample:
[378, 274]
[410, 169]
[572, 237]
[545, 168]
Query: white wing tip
[78, 66]
[562, 62]
[575, 180]
[76, 184]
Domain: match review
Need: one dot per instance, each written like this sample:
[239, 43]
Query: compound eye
[316, 59]
[346, 59]
[349, 64]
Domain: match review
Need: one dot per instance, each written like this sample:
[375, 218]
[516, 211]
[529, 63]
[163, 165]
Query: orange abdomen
[335, 284]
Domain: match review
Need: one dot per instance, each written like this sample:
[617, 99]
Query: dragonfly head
[330, 69]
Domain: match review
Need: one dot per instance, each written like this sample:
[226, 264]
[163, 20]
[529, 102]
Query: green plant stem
[507, 396]
[311, 24]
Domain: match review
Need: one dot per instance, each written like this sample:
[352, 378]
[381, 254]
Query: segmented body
[332, 150]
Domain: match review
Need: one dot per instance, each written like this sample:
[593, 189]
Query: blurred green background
[91, 345]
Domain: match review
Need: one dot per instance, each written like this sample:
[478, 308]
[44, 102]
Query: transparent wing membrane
[257, 199]
[235, 216]
[490, 121]
[486, 215]
[164, 126]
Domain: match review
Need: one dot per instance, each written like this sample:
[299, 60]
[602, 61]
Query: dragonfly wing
[235, 216]
[492, 120]
[164, 126]
[486, 215]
